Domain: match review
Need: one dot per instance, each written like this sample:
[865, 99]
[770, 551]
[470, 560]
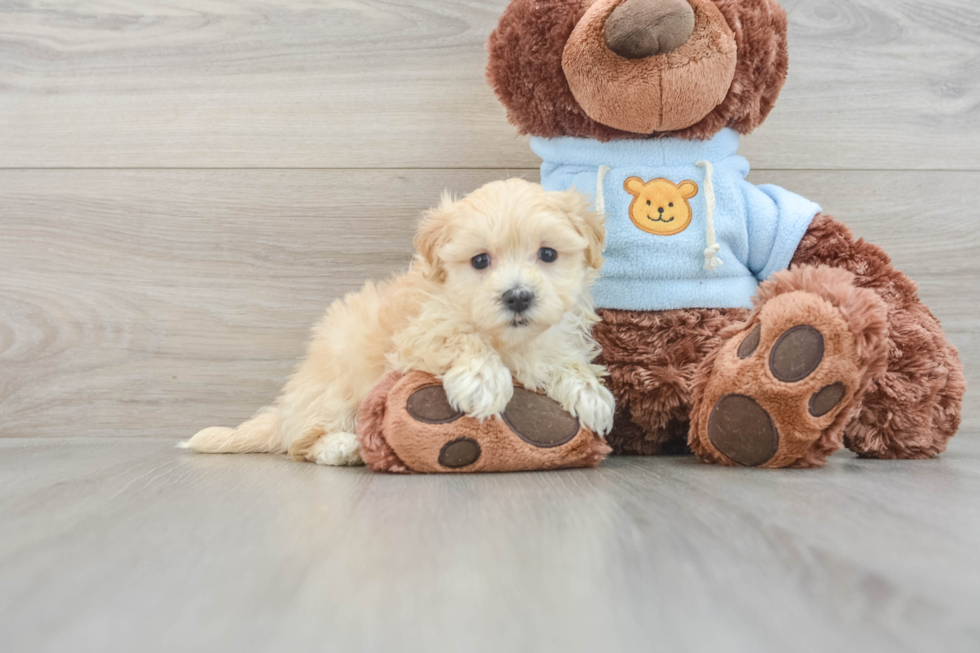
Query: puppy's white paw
[337, 450]
[588, 400]
[480, 390]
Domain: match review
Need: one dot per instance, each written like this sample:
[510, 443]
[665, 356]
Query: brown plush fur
[525, 70]
[914, 408]
[909, 411]
[652, 359]
[375, 451]
[854, 324]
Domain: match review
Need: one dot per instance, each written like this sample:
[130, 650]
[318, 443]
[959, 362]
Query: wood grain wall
[184, 186]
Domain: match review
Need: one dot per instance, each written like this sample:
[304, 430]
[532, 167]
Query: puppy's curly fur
[448, 318]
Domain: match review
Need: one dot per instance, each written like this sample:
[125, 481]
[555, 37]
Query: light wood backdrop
[184, 186]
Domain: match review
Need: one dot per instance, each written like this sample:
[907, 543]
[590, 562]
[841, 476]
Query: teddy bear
[739, 322]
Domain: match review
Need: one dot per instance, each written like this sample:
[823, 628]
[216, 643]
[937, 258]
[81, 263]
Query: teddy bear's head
[613, 69]
[661, 207]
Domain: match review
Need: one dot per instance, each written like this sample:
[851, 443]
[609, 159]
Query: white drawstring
[711, 260]
[600, 196]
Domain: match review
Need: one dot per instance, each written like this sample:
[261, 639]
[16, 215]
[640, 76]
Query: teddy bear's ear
[524, 68]
[634, 186]
[433, 232]
[688, 189]
[760, 28]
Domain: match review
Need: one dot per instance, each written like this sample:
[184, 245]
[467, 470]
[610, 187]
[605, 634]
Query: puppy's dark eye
[481, 261]
[547, 255]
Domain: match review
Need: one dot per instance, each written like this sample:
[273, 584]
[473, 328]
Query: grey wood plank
[160, 296]
[875, 84]
[130, 544]
[153, 303]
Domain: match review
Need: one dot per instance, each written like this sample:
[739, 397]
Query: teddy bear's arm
[776, 221]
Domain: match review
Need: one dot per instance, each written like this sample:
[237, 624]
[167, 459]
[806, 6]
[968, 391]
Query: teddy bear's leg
[407, 424]
[913, 409]
[780, 390]
[652, 357]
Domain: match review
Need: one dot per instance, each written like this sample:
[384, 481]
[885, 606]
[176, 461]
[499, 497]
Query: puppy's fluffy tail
[258, 435]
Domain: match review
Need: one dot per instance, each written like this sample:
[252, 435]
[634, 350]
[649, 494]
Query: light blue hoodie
[718, 260]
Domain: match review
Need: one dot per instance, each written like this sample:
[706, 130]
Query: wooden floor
[132, 545]
[186, 185]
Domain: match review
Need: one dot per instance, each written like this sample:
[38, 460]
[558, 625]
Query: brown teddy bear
[739, 321]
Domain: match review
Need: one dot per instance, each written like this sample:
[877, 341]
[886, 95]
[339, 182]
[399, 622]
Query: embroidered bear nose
[638, 29]
[661, 209]
[518, 300]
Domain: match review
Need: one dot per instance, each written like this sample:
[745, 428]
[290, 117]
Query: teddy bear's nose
[661, 209]
[637, 29]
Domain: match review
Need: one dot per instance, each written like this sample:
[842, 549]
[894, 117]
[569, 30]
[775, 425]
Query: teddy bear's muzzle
[646, 66]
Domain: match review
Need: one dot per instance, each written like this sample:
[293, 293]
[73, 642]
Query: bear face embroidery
[661, 207]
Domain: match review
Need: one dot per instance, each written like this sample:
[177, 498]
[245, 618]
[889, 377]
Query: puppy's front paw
[480, 390]
[588, 400]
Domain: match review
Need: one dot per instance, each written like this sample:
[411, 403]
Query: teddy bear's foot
[781, 391]
[409, 425]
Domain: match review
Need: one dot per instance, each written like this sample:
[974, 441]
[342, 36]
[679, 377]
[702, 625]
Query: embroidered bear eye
[481, 261]
[648, 202]
[671, 205]
[547, 255]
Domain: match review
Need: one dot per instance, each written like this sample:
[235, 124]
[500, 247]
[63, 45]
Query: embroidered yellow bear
[661, 207]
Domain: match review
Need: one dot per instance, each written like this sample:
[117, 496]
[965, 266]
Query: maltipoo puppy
[498, 290]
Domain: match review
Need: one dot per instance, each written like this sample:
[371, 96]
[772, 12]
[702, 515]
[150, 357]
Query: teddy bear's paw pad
[431, 406]
[460, 453]
[539, 420]
[827, 399]
[743, 431]
[797, 354]
[751, 342]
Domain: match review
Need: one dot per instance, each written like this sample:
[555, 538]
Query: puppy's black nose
[518, 300]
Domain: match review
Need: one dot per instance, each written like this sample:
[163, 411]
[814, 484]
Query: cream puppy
[499, 289]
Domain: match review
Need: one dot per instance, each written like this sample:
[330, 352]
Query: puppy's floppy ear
[433, 233]
[588, 223]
